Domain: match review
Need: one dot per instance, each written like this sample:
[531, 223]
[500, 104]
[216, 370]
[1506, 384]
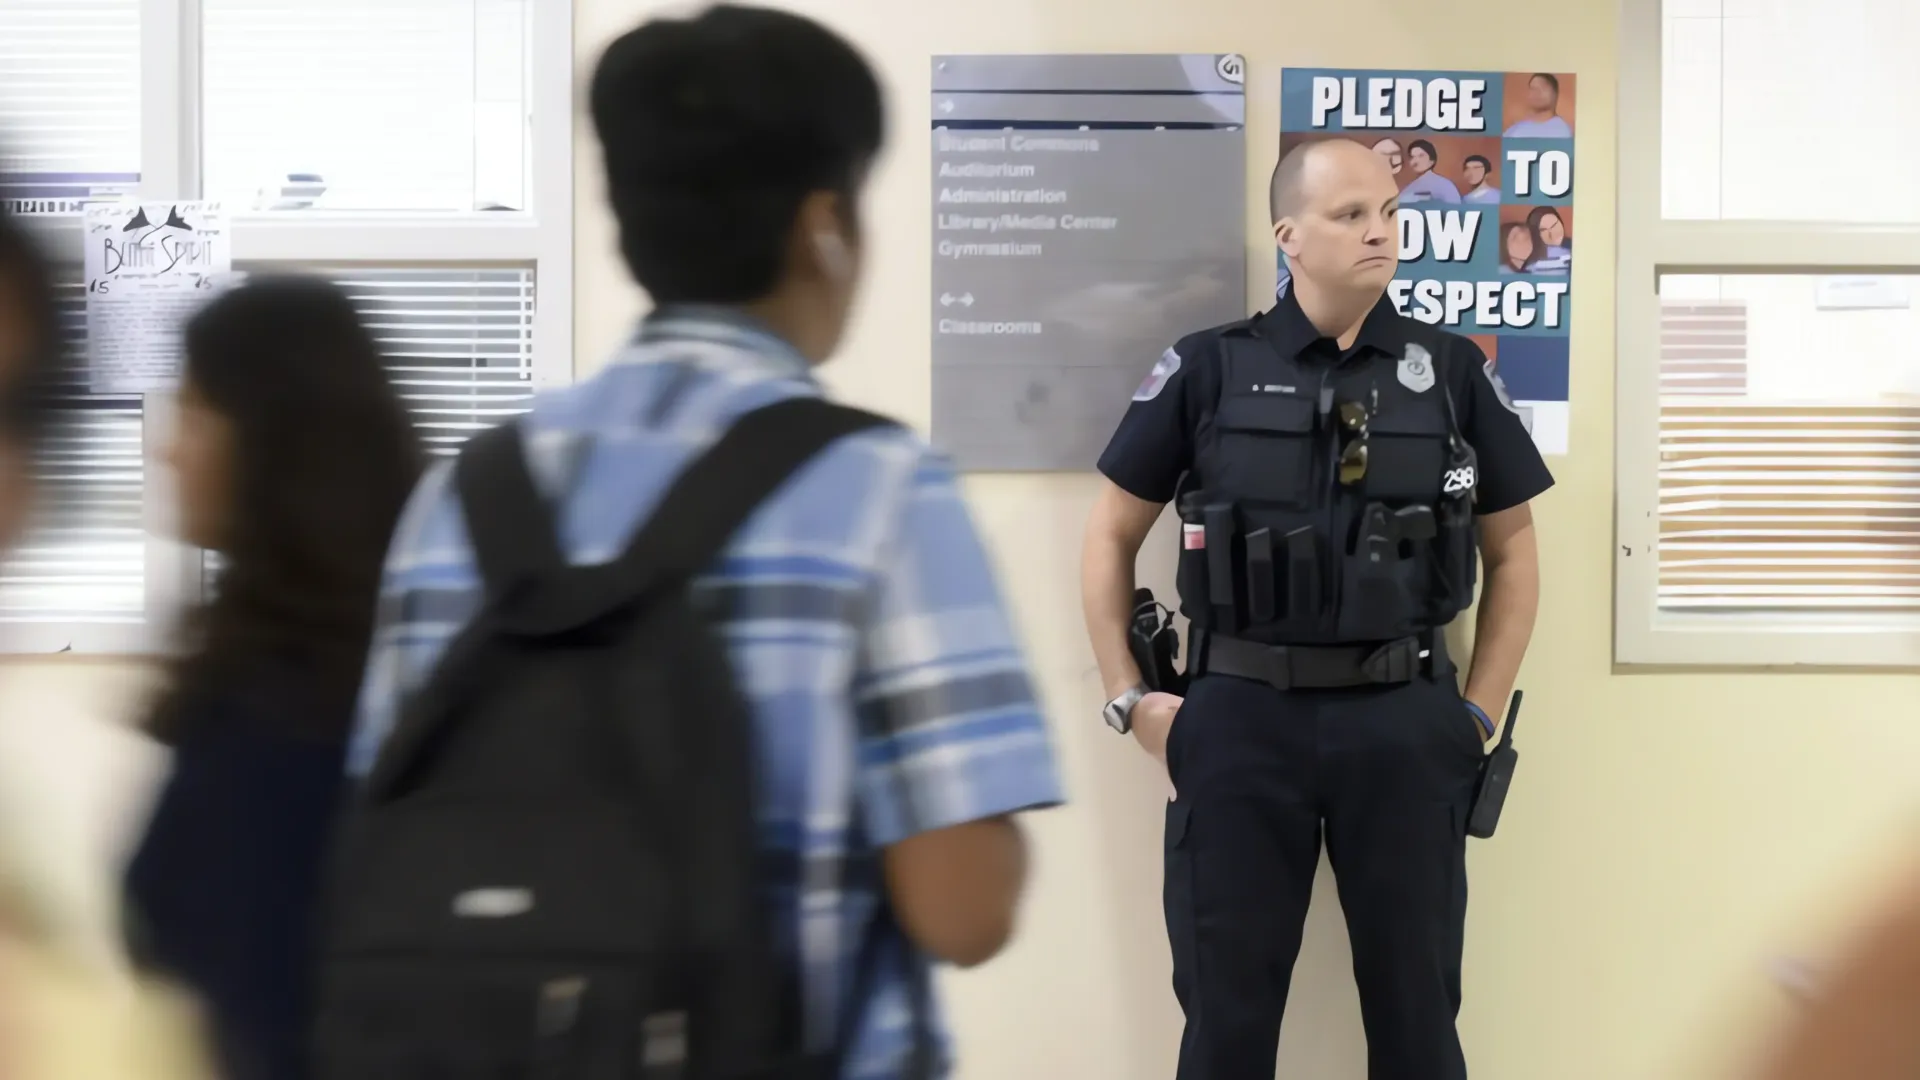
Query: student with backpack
[695, 726]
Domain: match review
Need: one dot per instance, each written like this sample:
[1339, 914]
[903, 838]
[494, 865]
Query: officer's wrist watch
[1119, 711]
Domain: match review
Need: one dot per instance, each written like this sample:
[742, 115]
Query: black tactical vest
[1327, 504]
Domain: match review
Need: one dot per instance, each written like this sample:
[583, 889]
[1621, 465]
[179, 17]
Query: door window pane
[366, 105]
[1790, 111]
[69, 102]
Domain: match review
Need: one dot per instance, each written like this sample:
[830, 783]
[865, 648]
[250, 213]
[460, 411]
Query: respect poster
[1485, 164]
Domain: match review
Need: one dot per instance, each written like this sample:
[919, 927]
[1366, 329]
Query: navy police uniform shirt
[1154, 445]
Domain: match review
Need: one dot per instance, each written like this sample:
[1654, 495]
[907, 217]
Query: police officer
[1331, 462]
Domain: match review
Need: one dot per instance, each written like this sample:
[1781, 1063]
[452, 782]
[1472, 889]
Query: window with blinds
[320, 106]
[458, 343]
[395, 120]
[84, 559]
[1789, 467]
[69, 102]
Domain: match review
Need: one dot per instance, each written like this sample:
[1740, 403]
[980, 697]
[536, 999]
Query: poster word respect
[1485, 165]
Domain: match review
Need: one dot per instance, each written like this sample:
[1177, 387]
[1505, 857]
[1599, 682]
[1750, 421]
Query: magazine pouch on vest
[553, 871]
[1329, 503]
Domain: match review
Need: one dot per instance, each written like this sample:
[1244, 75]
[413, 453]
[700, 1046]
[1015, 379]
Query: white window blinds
[85, 557]
[459, 343]
[1800, 508]
[1703, 348]
[366, 105]
[69, 102]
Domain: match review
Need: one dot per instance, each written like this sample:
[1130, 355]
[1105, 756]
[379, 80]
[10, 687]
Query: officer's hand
[1152, 720]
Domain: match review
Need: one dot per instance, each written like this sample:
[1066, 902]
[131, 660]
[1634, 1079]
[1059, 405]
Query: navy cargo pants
[1385, 774]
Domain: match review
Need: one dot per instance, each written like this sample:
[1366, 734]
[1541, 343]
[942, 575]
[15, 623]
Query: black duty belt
[1324, 667]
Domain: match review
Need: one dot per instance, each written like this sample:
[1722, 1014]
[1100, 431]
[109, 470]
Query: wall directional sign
[1088, 211]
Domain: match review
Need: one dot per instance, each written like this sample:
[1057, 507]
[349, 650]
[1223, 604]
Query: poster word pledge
[1485, 165]
[148, 266]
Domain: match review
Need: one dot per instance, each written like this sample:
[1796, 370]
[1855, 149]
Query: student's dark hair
[715, 129]
[28, 397]
[1422, 144]
[323, 458]
[1478, 159]
[1552, 81]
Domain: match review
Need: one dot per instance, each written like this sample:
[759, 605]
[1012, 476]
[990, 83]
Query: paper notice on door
[148, 267]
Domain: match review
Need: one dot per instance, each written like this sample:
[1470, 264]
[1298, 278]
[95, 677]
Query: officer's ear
[1286, 236]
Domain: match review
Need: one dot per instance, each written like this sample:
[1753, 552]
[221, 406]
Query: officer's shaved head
[1291, 174]
[1335, 205]
[1283, 192]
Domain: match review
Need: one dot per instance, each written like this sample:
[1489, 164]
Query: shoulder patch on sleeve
[1156, 381]
[1499, 388]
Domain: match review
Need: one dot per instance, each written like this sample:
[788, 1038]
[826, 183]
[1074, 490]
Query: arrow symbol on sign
[946, 105]
[967, 300]
[946, 299]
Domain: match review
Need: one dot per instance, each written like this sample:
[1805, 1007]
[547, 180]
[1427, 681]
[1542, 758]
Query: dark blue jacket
[224, 891]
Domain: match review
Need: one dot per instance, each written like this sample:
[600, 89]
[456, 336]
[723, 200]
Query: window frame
[170, 105]
[1649, 247]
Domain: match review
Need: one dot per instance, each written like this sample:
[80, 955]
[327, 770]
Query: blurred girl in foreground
[1861, 1017]
[63, 1014]
[293, 456]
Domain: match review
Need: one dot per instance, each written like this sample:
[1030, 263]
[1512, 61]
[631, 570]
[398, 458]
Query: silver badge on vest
[1416, 369]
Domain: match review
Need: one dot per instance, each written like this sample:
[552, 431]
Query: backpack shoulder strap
[510, 524]
[530, 586]
[714, 496]
[532, 590]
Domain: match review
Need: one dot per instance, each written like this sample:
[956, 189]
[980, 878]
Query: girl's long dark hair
[323, 459]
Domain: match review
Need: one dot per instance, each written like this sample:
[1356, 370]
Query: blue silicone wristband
[1485, 721]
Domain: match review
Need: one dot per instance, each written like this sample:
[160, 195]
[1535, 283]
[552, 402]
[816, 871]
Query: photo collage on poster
[1485, 165]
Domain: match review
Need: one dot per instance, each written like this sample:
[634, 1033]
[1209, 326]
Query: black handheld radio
[1496, 773]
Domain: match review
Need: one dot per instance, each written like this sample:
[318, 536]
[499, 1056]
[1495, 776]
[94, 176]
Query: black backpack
[553, 870]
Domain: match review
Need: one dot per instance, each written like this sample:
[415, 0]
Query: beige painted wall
[1669, 832]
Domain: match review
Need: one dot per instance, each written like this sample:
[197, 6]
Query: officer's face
[1345, 234]
[1551, 230]
[1474, 173]
[1418, 158]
